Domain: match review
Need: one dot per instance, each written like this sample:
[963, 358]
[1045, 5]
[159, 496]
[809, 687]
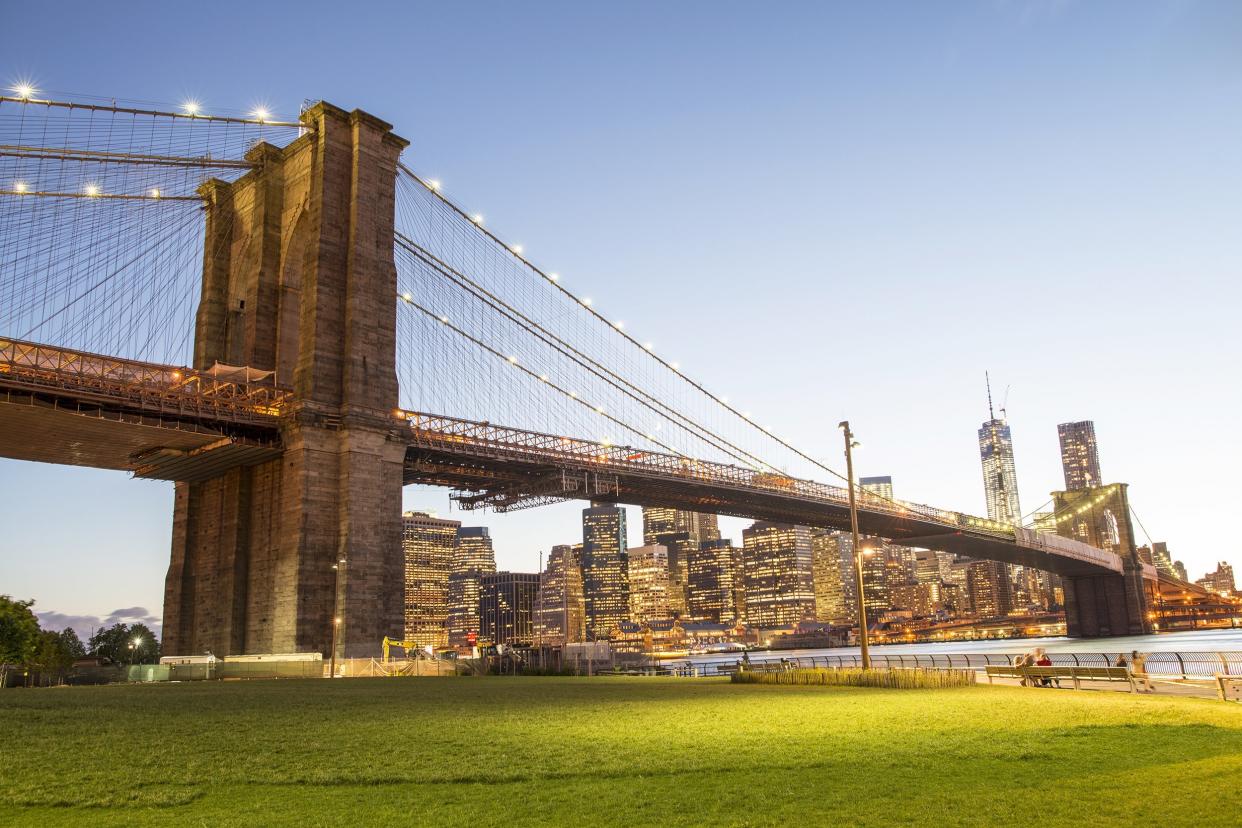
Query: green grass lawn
[612, 751]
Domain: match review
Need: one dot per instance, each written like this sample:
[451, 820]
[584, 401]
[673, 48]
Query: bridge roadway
[171, 423]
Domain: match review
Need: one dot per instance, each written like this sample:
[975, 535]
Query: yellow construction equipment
[392, 642]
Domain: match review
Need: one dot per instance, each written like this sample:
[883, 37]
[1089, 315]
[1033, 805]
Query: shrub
[899, 679]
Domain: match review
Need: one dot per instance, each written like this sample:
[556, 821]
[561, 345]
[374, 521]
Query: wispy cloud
[86, 625]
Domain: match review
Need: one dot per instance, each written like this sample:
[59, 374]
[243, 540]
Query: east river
[1228, 640]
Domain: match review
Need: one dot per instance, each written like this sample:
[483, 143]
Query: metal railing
[1173, 665]
[144, 386]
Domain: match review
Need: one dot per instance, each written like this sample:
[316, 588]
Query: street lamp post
[336, 629]
[850, 445]
[336, 615]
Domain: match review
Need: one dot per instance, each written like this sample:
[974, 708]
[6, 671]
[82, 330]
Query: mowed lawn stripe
[616, 751]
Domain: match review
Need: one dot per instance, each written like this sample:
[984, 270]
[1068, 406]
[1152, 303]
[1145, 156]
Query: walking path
[1202, 689]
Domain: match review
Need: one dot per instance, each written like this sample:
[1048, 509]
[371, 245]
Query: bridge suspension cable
[101, 227]
[451, 229]
[542, 334]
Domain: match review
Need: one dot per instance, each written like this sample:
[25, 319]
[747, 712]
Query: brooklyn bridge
[287, 321]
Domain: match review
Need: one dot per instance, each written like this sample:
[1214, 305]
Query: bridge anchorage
[297, 326]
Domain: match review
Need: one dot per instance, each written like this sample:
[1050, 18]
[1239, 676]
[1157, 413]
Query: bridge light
[191, 107]
[724, 400]
[477, 218]
[619, 325]
[676, 365]
[444, 319]
[586, 302]
[512, 360]
[556, 277]
[176, 375]
[433, 184]
[599, 409]
[155, 192]
[543, 377]
[573, 394]
[516, 248]
[91, 189]
[649, 346]
[407, 297]
[19, 187]
[24, 91]
[746, 414]
[261, 113]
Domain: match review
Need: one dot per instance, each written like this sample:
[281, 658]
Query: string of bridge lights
[25, 92]
[436, 188]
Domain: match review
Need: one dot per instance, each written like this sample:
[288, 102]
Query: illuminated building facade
[1080, 459]
[714, 590]
[428, 543]
[560, 611]
[649, 583]
[661, 520]
[1000, 479]
[880, 487]
[473, 558]
[507, 608]
[829, 578]
[779, 573]
[1221, 581]
[680, 533]
[989, 587]
[604, 570]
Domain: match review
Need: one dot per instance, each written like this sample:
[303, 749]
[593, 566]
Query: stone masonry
[298, 278]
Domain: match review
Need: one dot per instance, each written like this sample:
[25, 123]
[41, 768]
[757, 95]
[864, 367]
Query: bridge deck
[505, 467]
[165, 422]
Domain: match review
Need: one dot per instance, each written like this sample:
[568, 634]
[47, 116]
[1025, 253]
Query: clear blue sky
[827, 210]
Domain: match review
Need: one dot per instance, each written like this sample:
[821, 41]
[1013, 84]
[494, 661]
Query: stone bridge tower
[299, 279]
[1103, 605]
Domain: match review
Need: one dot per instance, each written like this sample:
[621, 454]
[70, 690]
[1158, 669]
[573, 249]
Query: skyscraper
[560, 608]
[831, 604]
[1000, 479]
[1080, 459]
[604, 575]
[649, 583]
[714, 582]
[507, 608]
[472, 559]
[991, 593]
[779, 571]
[881, 487]
[428, 543]
[661, 520]
[678, 532]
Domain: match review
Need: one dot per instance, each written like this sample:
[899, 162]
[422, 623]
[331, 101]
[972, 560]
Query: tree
[19, 634]
[54, 652]
[72, 644]
[126, 644]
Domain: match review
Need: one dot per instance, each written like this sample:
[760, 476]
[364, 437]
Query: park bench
[1225, 683]
[1077, 674]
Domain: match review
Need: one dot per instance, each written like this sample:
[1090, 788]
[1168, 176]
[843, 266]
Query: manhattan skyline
[841, 199]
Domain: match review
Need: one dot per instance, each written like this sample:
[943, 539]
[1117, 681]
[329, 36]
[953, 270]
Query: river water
[1189, 641]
